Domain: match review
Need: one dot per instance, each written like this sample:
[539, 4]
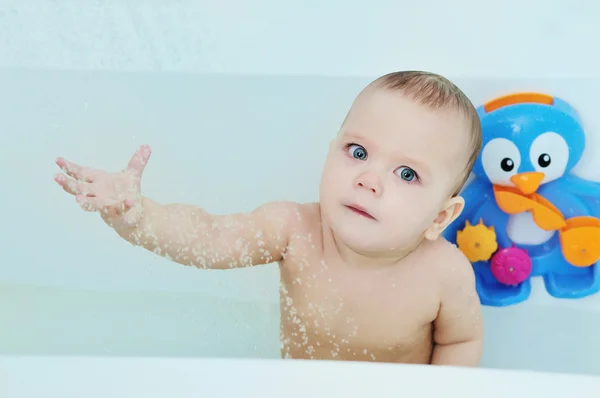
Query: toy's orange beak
[527, 183]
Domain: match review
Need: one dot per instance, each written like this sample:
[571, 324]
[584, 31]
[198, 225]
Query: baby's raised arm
[183, 233]
[191, 236]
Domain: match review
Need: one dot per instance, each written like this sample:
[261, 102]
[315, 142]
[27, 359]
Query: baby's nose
[369, 181]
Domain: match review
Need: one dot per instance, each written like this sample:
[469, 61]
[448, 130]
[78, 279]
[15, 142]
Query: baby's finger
[88, 204]
[138, 161]
[118, 208]
[126, 213]
[76, 171]
[72, 186]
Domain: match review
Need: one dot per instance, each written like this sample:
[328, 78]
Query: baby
[365, 274]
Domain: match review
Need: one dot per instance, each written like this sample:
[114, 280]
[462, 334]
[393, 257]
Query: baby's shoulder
[303, 218]
[451, 266]
[309, 214]
[292, 212]
[441, 251]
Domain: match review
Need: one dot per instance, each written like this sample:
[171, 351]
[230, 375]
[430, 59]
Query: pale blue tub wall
[92, 83]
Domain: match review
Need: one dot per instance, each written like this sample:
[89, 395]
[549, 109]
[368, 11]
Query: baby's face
[398, 162]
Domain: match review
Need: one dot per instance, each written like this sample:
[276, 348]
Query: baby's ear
[451, 210]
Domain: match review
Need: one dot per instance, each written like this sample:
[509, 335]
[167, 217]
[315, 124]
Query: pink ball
[511, 266]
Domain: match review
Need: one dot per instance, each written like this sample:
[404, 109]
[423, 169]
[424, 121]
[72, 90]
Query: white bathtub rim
[69, 376]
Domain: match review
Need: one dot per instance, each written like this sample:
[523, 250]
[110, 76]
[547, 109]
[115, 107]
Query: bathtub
[159, 377]
[235, 120]
[70, 286]
[75, 296]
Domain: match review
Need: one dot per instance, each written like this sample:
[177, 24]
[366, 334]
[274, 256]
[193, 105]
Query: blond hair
[437, 92]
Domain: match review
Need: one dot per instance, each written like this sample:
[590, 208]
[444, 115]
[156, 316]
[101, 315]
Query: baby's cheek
[412, 217]
[337, 180]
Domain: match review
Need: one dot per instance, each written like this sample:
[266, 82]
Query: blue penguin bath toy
[525, 214]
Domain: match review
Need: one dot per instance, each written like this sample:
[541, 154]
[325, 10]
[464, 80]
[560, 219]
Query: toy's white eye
[549, 154]
[500, 159]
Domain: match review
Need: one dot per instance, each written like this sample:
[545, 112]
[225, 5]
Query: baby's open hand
[116, 196]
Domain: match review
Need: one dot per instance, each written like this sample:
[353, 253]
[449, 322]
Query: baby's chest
[356, 310]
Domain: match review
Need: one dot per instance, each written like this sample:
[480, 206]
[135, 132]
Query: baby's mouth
[360, 211]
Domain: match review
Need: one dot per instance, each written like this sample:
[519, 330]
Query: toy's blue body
[539, 139]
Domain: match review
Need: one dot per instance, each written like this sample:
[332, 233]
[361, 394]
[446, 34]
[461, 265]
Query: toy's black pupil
[507, 164]
[544, 160]
[360, 153]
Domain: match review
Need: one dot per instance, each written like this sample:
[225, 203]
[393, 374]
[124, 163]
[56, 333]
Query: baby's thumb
[133, 214]
[119, 209]
[138, 161]
[124, 214]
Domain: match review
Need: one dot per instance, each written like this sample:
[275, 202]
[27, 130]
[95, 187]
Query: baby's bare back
[332, 310]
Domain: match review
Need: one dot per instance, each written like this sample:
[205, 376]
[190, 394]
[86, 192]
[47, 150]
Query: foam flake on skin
[310, 351]
[288, 300]
[298, 215]
[324, 265]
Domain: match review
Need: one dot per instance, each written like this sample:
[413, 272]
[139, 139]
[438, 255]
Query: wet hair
[437, 92]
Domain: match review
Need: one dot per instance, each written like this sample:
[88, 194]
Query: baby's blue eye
[357, 151]
[406, 173]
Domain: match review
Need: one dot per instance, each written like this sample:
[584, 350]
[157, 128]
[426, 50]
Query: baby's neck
[357, 258]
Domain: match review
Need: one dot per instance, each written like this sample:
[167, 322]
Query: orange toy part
[518, 98]
[579, 236]
[580, 241]
[544, 213]
[478, 242]
[527, 183]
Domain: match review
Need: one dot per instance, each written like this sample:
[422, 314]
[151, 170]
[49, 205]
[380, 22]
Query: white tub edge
[152, 377]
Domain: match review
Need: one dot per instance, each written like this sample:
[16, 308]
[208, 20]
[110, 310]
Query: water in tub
[70, 286]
